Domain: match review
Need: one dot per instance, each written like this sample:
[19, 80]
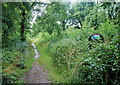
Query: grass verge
[29, 62]
[47, 61]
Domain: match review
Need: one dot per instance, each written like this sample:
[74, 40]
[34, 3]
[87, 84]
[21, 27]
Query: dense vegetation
[17, 52]
[60, 33]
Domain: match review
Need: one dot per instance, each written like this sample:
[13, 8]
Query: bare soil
[37, 74]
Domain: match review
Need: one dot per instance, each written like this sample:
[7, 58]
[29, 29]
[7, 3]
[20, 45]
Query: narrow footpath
[37, 74]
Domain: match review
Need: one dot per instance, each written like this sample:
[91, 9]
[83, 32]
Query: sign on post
[96, 38]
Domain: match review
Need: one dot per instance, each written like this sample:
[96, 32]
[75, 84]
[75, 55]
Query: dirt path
[37, 73]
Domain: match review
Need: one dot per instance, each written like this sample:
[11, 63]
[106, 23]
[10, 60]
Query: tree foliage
[48, 21]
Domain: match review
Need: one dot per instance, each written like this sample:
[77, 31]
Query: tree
[14, 21]
[53, 13]
[100, 14]
[25, 8]
[9, 21]
[80, 10]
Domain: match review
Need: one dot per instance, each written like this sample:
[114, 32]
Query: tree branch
[40, 3]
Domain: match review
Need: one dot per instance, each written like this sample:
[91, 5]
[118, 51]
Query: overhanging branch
[40, 3]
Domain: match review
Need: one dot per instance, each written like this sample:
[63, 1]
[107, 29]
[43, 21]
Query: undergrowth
[71, 56]
[16, 62]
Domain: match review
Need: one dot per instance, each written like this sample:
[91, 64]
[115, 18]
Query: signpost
[96, 38]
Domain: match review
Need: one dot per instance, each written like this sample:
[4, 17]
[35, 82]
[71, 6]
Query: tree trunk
[119, 29]
[22, 24]
[63, 25]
